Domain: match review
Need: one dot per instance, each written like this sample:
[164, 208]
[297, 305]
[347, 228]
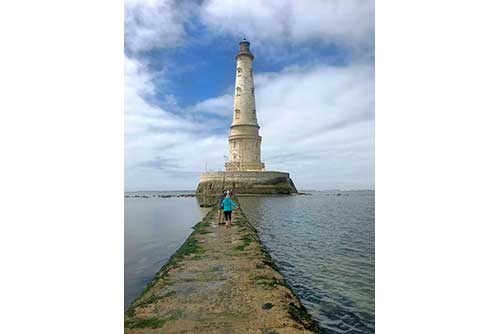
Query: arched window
[253, 91]
[239, 71]
[237, 114]
[238, 91]
[253, 111]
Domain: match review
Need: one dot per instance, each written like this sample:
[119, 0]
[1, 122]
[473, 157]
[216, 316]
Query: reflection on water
[324, 246]
[154, 229]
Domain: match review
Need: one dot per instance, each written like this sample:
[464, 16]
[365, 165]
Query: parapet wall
[246, 182]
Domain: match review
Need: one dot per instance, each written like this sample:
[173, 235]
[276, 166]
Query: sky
[314, 89]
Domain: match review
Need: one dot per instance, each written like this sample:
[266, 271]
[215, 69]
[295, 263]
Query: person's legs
[229, 219]
[226, 216]
[220, 216]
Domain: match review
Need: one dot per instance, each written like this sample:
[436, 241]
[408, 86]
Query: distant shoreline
[194, 191]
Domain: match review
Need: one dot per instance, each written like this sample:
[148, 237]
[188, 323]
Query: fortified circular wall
[246, 182]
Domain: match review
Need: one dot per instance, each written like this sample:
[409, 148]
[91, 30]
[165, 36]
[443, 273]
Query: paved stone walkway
[221, 280]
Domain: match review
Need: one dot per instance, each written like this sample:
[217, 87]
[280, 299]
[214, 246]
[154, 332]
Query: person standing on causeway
[221, 206]
[228, 205]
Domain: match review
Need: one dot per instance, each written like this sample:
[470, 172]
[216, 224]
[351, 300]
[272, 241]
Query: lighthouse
[244, 172]
[244, 138]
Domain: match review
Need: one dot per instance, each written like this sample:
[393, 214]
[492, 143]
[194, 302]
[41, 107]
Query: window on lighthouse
[253, 91]
[238, 91]
[239, 71]
[237, 114]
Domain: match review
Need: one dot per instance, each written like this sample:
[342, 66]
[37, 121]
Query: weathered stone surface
[246, 182]
[221, 280]
[244, 138]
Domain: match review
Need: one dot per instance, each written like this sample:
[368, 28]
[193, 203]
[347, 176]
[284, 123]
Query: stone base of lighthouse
[246, 182]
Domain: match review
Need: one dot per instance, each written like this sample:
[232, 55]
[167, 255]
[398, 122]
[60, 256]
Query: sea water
[324, 245]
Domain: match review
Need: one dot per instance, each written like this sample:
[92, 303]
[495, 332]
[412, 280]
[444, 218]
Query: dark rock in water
[339, 194]
[144, 196]
[205, 205]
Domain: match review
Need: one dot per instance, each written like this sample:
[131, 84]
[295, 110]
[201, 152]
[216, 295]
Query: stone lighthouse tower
[244, 139]
[244, 172]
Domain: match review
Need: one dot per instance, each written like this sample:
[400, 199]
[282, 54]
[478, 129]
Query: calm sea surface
[323, 244]
[154, 229]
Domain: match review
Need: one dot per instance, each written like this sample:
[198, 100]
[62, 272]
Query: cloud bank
[346, 21]
[153, 24]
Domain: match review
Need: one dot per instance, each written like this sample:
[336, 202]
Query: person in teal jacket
[220, 206]
[228, 206]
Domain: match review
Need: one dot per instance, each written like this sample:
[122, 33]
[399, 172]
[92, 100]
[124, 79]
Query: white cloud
[162, 150]
[318, 123]
[161, 23]
[154, 23]
[344, 21]
[220, 105]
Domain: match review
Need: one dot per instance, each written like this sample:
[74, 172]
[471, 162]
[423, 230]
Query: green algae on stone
[144, 323]
[299, 313]
[267, 283]
[174, 315]
[247, 239]
[200, 227]
[191, 246]
[153, 298]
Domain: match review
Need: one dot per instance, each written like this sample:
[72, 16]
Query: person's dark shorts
[227, 215]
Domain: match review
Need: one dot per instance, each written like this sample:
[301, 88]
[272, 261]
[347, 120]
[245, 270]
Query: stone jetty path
[221, 280]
